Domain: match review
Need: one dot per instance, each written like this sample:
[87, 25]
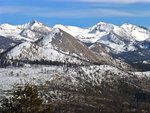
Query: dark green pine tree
[25, 100]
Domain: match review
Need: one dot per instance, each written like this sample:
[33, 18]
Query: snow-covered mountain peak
[73, 30]
[33, 25]
[14, 34]
[102, 27]
[101, 23]
[59, 26]
[46, 41]
[129, 27]
[34, 30]
[139, 33]
[64, 28]
[34, 21]
[7, 26]
[24, 26]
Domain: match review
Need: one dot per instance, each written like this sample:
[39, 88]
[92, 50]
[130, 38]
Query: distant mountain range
[92, 70]
[128, 42]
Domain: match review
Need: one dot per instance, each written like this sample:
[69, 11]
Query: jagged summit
[101, 26]
[46, 41]
[139, 33]
[33, 21]
[128, 26]
[30, 31]
[33, 24]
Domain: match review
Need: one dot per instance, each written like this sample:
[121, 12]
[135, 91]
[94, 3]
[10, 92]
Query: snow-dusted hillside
[57, 46]
[83, 86]
[74, 78]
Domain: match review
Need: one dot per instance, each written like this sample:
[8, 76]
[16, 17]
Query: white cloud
[48, 12]
[107, 1]
[142, 13]
[72, 13]
[85, 13]
[21, 9]
[7, 9]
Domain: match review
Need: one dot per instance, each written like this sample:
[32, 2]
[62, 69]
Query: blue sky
[82, 13]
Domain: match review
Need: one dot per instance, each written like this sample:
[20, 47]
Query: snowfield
[11, 77]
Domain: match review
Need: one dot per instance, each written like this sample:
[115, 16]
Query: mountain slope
[7, 43]
[57, 46]
[64, 42]
[125, 37]
[122, 42]
[107, 59]
[84, 89]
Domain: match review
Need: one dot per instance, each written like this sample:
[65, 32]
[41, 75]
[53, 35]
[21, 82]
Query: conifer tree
[25, 100]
